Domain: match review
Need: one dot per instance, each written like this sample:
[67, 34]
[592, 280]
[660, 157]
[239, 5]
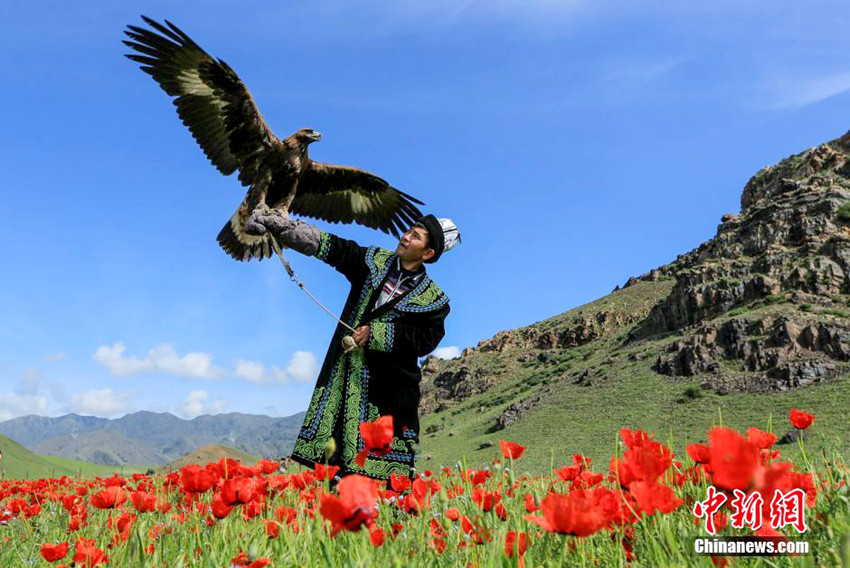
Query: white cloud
[449, 352]
[55, 357]
[196, 404]
[303, 366]
[13, 405]
[100, 402]
[251, 371]
[30, 383]
[161, 359]
[798, 92]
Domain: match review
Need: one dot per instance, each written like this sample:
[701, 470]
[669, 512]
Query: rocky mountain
[150, 438]
[760, 308]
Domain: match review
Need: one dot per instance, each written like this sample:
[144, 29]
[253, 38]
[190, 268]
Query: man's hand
[361, 335]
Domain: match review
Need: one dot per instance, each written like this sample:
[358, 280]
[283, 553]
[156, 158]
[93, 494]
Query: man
[398, 314]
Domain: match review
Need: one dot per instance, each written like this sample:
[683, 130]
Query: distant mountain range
[151, 438]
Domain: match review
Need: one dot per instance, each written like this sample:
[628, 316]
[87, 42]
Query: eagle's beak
[317, 136]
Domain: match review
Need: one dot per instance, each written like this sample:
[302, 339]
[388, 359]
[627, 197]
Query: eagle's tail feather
[242, 246]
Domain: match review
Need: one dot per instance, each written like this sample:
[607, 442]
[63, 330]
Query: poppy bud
[330, 449]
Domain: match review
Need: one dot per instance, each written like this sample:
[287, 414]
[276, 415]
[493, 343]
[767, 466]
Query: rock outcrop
[774, 354]
[763, 306]
[789, 236]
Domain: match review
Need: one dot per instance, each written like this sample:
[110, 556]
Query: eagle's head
[307, 136]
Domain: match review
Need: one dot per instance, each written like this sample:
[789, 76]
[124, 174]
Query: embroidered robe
[381, 379]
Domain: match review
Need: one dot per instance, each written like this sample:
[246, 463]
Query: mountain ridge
[148, 438]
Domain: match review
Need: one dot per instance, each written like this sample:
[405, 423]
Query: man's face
[413, 245]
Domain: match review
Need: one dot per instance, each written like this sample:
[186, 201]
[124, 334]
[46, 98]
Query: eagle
[216, 106]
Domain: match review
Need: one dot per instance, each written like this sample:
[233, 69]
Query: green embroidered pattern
[427, 297]
[380, 258]
[384, 469]
[314, 405]
[380, 336]
[354, 393]
[324, 245]
[372, 413]
[351, 426]
[314, 449]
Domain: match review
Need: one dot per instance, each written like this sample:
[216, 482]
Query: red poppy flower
[75, 523]
[377, 537]
[266, 467]
[476, 534]
[801, 420]
[515, 543]
[734, 459]
[646, 458]
[109, 498]
[621, 472]
[377, 437]
[220, 509]
[652, 496]
[323, 472]
[530, 504]
[355, 505]
[86, 554]
[143, 502]
[762, 440]
[272, 529]
[54, 552]
[576, 513]
[285, 514]
[486, 500]
[511, 450]
[197, 479]
[399, 483]
[568, 472]
[699, 453]
[238, 490]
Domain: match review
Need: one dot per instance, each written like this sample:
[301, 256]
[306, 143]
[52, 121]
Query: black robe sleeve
[346, 256]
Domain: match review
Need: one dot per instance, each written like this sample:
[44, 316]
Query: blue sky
[574, 143]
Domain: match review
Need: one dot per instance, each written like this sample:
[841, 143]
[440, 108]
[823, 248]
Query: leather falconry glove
[297, 235]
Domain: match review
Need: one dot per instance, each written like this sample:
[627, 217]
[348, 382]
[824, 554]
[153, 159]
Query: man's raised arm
[346, 256]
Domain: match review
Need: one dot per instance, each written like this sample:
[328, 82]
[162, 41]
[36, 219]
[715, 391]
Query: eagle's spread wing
[211, 99]
[342, 194]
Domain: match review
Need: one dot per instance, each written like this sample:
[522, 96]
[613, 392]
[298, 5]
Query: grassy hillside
[86, 469]
[623, 392]
[20, 463]
[209, 454]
